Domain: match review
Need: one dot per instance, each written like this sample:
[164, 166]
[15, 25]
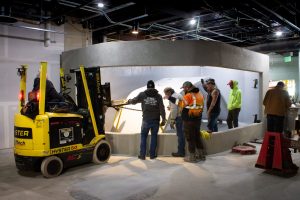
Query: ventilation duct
[5, 17]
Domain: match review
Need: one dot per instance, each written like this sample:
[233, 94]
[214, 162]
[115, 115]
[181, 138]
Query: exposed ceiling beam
[278, 16]
[167, 19]
[222, 35]
[177, 31]
[120, 23]
[186, 15]
[286, 8]
[32, 28]
[76, 7]
[294, 7]
[201, 28]
[109, 11]
[80, 6]
[257, 20]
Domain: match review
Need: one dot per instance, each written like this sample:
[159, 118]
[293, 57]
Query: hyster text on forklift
[51, 141]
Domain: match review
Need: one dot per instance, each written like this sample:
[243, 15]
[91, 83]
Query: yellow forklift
[51, 141]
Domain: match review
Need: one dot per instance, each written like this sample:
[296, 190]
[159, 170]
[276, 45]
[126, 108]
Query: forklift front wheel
[51, 166]
[101, 152]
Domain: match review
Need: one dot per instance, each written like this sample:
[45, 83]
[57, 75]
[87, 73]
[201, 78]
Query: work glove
[129, 101]
[202, 81]
[163, 122]
[172, 124]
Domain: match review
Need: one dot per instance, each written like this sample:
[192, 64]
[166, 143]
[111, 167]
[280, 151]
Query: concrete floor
[221, 176]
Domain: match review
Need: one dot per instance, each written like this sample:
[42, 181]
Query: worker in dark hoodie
[152, 108]
[192, 107]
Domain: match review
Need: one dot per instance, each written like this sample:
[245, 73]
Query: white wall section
[22, 46]
[122, 79]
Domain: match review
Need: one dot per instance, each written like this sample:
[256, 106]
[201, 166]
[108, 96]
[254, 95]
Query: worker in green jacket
[234, 104]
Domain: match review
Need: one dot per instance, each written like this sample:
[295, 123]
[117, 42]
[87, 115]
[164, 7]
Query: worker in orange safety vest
[192, 107]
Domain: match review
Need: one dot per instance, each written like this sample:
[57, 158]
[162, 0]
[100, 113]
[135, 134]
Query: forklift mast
[22, 72]
[99, 95]
[62, 80]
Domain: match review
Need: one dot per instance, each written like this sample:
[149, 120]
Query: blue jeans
[213, 122]
[147, 125]
[180, 135]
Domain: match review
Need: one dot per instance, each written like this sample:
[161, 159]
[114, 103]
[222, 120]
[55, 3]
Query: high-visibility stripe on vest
[193, 102]
[194, 106]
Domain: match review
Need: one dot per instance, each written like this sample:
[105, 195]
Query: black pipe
[278, 16]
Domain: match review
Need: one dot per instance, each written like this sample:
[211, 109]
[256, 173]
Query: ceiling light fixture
[100, 5]
[135, 31]
[278, 33]
[193, 21]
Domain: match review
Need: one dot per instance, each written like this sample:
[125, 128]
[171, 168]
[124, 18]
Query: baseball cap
[230, 82]
[210, 81]
[187, 84]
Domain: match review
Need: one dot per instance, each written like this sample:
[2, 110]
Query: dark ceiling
[248, 23]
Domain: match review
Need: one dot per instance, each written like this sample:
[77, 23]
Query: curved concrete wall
[177, 53]
[166, 53]
[129, 144]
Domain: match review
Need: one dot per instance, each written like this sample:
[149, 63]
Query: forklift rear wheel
[51, 166]
[101, 152]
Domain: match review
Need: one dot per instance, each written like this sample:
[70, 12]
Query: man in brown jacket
[276, 102]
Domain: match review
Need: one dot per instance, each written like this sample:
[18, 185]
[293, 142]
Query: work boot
[191, 158]
[200, 155]
[141, 157]
[177, 154]
[294, 167]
